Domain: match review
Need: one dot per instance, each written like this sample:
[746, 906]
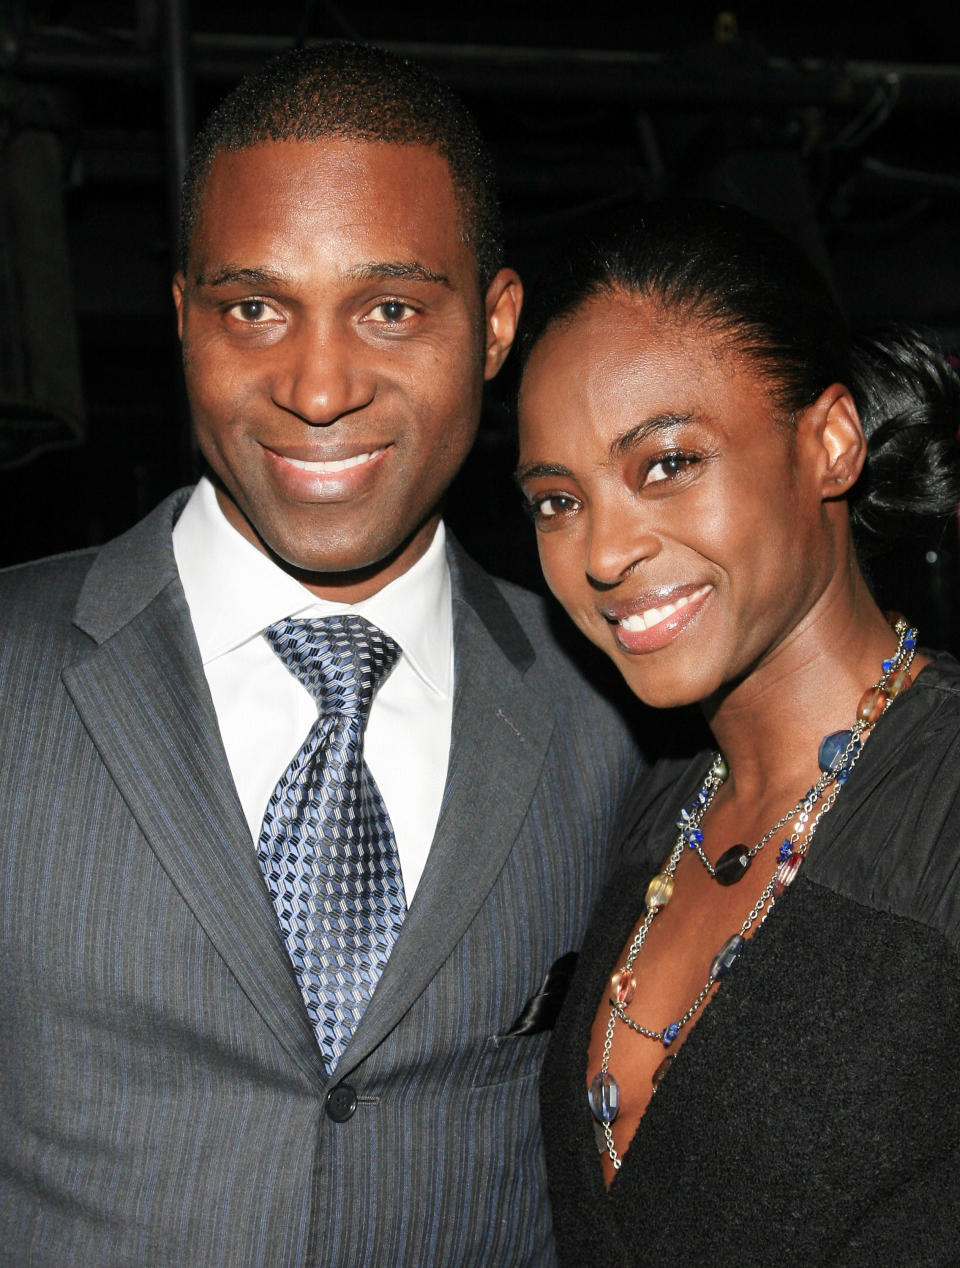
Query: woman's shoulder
[941, 675]
[893, 840]
[666, 788]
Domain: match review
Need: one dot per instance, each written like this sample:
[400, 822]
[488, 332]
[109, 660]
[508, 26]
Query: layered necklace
[837, 756]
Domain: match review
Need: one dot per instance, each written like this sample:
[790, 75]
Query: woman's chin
[667, 689]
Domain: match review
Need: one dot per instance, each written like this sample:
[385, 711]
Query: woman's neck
[769, 725]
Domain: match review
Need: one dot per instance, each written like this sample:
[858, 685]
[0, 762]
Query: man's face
[335, 343]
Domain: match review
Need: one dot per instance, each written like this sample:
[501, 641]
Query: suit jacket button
[341, 1103]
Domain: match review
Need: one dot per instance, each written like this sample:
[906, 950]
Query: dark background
[836, 122]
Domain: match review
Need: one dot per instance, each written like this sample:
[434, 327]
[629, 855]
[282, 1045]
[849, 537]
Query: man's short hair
[354, 91]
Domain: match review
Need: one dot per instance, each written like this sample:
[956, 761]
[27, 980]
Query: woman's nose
[617, 544]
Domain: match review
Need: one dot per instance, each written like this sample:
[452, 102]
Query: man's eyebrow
[539, 470]
[375, 270]
[623, 443]
[399, 271]
[233, 275]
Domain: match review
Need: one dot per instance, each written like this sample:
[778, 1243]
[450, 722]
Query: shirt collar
[235, 591]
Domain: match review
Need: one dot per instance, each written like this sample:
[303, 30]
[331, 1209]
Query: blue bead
[831, 749]
[786, 849]
[888, 664]
[910, 641]
[604, 1097]
[670, 1033]
[727, 956]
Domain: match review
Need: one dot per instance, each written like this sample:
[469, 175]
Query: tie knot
[339, 659]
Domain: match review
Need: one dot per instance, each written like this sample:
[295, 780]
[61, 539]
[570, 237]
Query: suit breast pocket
[518, 1051]
[509, 1058]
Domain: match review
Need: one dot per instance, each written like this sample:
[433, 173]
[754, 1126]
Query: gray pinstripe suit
[161, 1098]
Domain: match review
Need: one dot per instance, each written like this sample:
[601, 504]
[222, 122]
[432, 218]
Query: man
[207, 1061]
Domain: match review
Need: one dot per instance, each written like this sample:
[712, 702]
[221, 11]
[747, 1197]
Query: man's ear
[179, 282]
[832, 426]
[502, 305]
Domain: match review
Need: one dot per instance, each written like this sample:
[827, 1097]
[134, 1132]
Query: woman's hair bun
[909, 402]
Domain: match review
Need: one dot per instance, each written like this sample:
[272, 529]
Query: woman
[761, 1037]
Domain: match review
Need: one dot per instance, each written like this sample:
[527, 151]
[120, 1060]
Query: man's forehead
[353, 158]
[342, 183]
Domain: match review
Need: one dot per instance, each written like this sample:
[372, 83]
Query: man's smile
[332, 465]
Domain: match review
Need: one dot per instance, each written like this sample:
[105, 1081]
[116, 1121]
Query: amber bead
[898, 682]
[662, 1068]
[624, 985]
[872, 704]
[659, 891]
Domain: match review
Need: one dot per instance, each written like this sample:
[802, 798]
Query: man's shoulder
[38, 635]
[576, 675]
[525, 604]
[40, 595]
[546, 625]
[34, 594]
[551, 632]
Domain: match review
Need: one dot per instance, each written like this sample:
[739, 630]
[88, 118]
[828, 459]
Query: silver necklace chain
[792, 852]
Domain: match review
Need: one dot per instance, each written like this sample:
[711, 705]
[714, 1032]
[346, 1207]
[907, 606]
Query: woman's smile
[678, 515]
[640, 626]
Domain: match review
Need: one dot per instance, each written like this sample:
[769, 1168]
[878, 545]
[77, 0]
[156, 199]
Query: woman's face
[678, 523]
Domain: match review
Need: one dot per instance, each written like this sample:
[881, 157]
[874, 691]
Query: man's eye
[253, 311]
[392, 311]
[669, 466]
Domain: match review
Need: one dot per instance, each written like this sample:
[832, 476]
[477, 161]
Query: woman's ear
[832, 426]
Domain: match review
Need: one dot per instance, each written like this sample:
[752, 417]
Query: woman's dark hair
[718, 265]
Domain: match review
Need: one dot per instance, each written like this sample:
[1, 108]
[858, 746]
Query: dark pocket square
[540, 1011]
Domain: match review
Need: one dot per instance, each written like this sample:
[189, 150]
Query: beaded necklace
[837, 756]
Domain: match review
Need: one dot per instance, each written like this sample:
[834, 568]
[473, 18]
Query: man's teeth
[340, 464]
[649, 617]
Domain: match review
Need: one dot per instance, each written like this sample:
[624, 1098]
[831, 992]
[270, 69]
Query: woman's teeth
[649, 617]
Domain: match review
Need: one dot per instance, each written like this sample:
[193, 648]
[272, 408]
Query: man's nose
[323, 372]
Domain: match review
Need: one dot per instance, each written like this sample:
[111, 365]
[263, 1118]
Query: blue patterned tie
[326, 847]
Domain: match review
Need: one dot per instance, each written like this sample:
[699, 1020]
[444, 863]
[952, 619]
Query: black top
[812, 1115]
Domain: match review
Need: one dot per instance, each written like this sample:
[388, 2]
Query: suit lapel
[143, 697]
[501, 731]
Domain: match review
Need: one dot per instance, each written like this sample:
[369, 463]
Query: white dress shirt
[235, 592]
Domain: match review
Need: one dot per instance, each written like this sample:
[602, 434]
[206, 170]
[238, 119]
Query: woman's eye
[669, 466]
[552, 507]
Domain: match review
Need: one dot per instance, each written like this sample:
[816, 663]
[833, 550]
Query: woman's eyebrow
[537, 470]
[634, 436]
